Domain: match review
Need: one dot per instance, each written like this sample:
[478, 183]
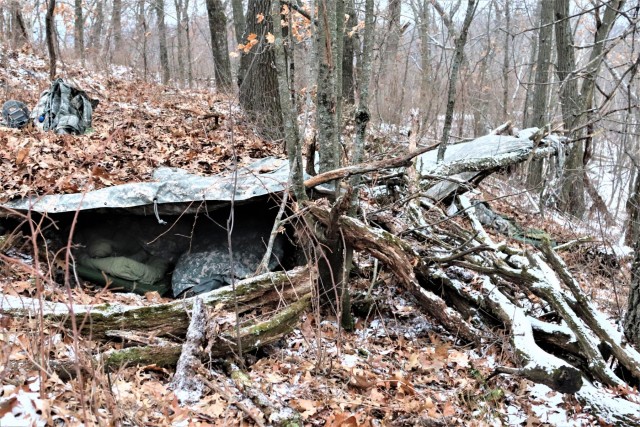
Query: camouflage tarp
[170, 186]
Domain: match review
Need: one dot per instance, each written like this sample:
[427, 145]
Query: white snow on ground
[25, 403]
[547, 405]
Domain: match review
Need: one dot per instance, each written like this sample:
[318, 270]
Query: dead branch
[401, 259]
[187, 386]
[362, 168]
[625, 354]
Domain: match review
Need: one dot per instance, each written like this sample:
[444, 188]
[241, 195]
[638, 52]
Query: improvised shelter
[171, 234]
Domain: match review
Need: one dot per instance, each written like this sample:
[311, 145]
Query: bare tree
[577, 101]
[460, 42]
[162, 36]
[219, 47]
[50, 35]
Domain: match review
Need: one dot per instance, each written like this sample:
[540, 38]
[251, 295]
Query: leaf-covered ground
[397, 368]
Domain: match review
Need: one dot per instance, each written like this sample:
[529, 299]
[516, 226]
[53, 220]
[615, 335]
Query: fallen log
[169, 319]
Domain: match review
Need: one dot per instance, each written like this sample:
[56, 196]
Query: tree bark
[290, 119]
[97, 28]
[348, 78]
[187, 36]
[219, 47]
[393, 36]
[458, 57]
[50, 35]
[257, 78]
[162, 36]
[239, 23]
[180, 41]
[19, 28]
[326, 99]
[78, 33]
[505, 62]
[540, 113]
[116, 18]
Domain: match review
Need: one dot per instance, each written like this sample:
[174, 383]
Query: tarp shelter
[138, 233]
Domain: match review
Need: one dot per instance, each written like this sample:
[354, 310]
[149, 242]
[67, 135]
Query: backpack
[15, 114]
[64, 109]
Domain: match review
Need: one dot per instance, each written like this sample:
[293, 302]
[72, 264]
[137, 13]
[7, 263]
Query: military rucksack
[15, 114]
[64, 109]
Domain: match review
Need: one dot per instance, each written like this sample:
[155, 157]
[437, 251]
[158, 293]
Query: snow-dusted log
[472, 161]
[538, 277]
[625, 354]
[537, 365]
[169, 319]
[186, 384]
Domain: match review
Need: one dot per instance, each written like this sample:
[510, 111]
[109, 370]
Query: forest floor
[397, 368]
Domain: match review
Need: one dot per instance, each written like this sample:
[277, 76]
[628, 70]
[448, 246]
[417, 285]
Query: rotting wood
[168, 319]
[187, 386]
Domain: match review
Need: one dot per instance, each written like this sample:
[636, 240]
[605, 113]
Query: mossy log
[266, 291]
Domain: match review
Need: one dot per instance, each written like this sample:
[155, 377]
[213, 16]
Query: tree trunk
[461, 41]
[78, 33]
[539, 115]
[180, 41]
[291, 133]
[348, 79]
[219, 47]
[142, 23]
[117, 22]
[326, 99]
[422, 15]
[505, 63]
[162, 36]
[257, 78]
[19, 28]
[97, 28]
[393, 36]
[187, 37]
[50, 31]
[572, 191]
[239, 23]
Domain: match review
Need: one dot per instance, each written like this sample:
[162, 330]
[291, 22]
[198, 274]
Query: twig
[264, 264]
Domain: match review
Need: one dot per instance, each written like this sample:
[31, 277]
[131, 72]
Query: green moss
[161, 356]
